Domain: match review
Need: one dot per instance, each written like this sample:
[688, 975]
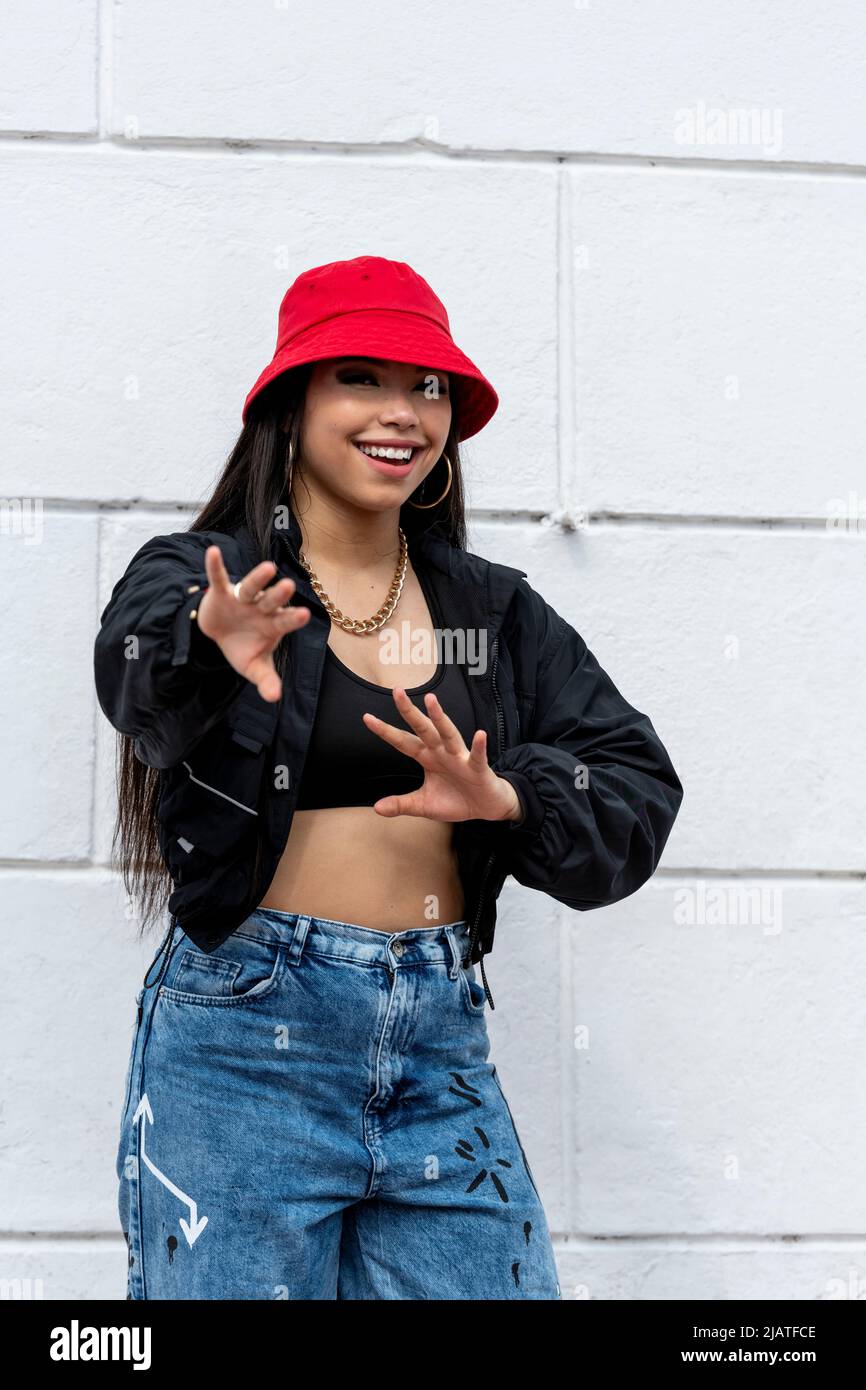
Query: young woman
[334, 790]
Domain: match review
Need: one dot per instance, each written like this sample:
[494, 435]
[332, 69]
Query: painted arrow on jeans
[193, 1228]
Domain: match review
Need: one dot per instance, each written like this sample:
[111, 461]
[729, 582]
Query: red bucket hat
[372, 307]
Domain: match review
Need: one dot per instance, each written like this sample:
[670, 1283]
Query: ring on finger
[236, 590]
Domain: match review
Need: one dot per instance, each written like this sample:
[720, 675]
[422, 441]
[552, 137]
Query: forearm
[159, 678]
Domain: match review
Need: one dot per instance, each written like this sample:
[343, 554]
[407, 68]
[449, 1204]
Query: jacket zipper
[489, 865]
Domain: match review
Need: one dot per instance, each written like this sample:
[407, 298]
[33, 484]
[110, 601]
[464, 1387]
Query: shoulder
[543, 639]
[539, 637]
[523, 609]
[527, 606]
[184, 548]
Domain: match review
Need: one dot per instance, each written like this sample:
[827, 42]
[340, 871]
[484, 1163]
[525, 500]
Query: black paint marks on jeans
[172, 1246]
[464, 1148]
[515, 1265]
[466, 1091]
[499, 1188]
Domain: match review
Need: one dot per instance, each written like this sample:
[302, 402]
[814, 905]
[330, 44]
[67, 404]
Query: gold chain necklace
[361, 625]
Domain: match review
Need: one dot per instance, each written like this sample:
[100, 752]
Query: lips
[363, 445]
[396, 464]
[389, 467]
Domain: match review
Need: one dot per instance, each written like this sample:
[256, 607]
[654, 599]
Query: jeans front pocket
[474, 996]
[244, 968]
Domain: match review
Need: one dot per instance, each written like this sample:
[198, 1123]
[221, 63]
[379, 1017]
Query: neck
[341, 539]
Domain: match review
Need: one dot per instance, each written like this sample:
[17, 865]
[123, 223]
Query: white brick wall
[669, 297]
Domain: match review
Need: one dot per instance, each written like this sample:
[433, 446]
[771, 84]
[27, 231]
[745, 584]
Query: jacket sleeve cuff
[533, 806]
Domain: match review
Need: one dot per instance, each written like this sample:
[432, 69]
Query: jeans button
[398, 948]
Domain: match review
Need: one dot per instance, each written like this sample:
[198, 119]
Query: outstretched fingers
[478, 749]
[217, 574]
[276, 596]
[285, 619]
[400, 739]
[416, 719]
[219, 577]
[444, 725]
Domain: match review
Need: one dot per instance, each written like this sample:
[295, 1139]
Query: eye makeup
[355, 373]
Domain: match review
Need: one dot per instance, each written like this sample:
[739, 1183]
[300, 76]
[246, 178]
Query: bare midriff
[353, 865]
[348, 862]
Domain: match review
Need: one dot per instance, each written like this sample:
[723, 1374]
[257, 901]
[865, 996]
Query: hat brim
[394, 336]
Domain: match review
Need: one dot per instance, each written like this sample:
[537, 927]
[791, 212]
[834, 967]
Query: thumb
[262, 672]
[404, 805]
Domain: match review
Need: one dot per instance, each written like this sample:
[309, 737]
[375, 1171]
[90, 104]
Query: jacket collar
[470, 574]
[489, 583]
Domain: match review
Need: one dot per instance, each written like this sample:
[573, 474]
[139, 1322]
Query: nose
[399, 407]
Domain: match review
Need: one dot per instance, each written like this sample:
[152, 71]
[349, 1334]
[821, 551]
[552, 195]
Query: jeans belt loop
[299, 939]
[454, 968]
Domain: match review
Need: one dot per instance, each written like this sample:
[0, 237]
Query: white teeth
[403, 455]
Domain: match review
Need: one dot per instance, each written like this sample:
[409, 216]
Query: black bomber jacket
[598, 790]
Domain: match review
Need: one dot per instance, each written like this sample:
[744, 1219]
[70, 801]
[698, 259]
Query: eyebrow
[381, 361]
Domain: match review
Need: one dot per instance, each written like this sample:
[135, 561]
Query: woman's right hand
[248, 631]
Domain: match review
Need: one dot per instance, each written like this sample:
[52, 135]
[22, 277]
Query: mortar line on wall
[566, 459]
[510, 516]
[569, 1081]
[566, 1240]
[96, 710]
[104, 67]
[102, 868]
[229, 145]
[794, 875]
[684, 1240]
[797, 523]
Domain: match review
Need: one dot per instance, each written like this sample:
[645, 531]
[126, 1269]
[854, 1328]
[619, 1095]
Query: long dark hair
[252, 485]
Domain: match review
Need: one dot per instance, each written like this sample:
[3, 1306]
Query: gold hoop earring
[423, 506]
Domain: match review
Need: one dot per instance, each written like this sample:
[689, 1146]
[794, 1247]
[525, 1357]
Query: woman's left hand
[459, 783]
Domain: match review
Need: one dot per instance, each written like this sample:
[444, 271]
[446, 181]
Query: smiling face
[361, 415]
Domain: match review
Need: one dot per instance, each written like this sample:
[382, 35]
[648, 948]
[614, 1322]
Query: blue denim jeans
[310, 1114]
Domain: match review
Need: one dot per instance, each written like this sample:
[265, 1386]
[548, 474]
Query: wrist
[204, 652]
[515, 810]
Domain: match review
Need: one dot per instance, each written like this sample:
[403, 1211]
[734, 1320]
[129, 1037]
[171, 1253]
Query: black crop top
[346, 763]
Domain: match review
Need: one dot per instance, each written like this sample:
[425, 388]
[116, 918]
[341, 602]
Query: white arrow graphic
[193, 1228]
